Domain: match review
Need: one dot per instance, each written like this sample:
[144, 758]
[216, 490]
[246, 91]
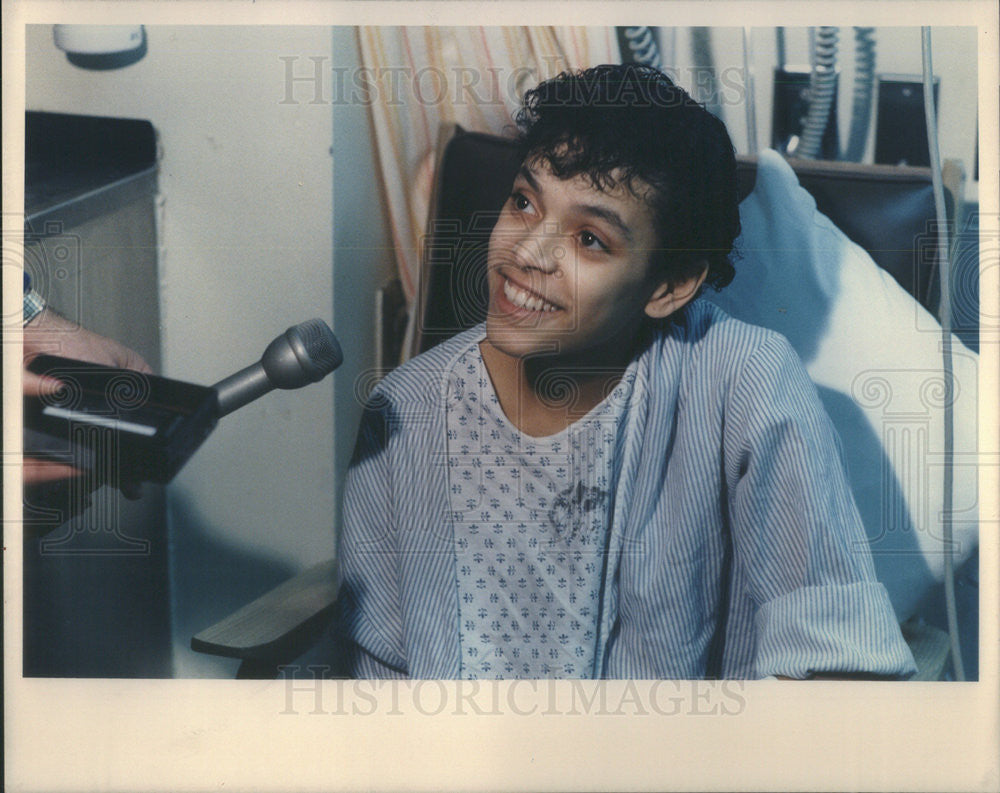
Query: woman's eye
[590, 240]
[521, 203]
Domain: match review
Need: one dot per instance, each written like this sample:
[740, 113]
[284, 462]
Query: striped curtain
[417, 78]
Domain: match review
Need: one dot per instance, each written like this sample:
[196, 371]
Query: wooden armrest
[279, 625]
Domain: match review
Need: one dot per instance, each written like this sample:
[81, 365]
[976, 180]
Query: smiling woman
[624, 481]
[570, 270]
[588, 248]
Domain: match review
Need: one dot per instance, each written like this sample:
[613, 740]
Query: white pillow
[875, 355]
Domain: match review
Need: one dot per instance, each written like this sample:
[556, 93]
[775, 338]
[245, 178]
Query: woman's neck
[542, 396]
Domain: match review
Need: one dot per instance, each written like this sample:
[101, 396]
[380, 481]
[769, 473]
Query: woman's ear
[671, 296]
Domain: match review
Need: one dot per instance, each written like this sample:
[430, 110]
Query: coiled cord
[864, 89]
[822, 88]
[644, 46]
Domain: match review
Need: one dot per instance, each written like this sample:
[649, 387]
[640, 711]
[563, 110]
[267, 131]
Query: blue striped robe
[735, 549]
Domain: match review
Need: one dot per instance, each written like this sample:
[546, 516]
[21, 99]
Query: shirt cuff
[34, 304]
[833, 629]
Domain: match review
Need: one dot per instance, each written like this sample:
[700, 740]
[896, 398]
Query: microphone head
[303, 354]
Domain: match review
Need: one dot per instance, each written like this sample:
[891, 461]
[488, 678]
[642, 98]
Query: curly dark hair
[630, 125]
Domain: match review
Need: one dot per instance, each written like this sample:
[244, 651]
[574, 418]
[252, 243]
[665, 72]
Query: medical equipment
[809, 129]
[642, 43]
[822, 89]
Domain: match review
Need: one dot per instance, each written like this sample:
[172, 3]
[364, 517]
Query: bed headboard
[887, 210]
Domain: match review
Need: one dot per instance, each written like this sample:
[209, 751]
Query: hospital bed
[884, 212]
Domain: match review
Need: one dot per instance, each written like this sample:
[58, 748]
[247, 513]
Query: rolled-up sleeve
[798, 539]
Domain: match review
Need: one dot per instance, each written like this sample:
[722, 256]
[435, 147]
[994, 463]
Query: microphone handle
[241, 388]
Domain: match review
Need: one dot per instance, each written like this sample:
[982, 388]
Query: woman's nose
[543, 250]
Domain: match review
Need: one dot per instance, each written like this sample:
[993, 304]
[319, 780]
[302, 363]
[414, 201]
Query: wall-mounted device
[101, 46]
[901, 126]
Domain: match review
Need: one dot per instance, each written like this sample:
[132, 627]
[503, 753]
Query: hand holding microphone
[146, 427]
[49, 330]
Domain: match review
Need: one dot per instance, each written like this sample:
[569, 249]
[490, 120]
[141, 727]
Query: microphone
[144, 427]
[305, 353]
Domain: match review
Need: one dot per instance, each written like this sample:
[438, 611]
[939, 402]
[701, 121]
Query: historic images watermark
[656, 699]
[314, 80]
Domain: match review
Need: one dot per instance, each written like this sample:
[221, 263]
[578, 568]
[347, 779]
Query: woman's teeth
[526, 300]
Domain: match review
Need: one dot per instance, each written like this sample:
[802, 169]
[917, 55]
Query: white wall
[246, 240]
[364, 259]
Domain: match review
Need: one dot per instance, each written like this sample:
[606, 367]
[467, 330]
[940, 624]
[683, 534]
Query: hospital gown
[734, 548]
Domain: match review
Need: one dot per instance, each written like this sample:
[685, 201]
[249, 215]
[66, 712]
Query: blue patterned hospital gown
[729, 547]
[530, 517]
